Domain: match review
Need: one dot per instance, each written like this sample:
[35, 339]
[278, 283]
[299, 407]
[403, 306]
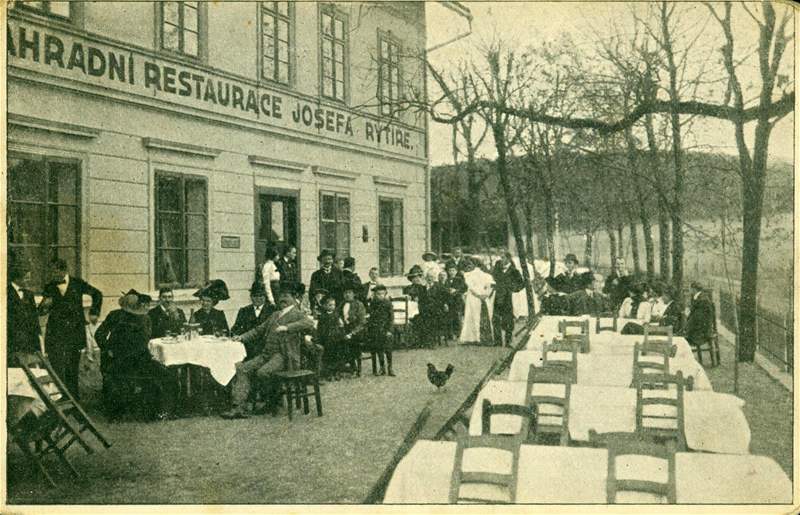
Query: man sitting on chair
[587, 301]
[166, 318]
[281, 338]
[252, 315]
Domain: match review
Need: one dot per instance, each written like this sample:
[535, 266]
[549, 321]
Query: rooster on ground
[437, 378]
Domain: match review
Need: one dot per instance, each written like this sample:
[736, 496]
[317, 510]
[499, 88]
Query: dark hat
[571, 257]
[429, 254]
[321, 291]
[379, 287]
[325, 253]
[258, 288]
[216, 289]
[414, 271]
[135, 302]
[446, 256]
[349, 262]
[586, 279]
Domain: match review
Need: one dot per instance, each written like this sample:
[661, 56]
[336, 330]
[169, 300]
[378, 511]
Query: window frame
[183, 283]
[389, 38]
[46, 205]
[394, 223]
[45, 10]
[335, 13]
[336, 221]
[290, 19]
[202, 32]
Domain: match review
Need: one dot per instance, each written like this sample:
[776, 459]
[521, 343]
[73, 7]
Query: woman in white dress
[270, 275]
[477, 326]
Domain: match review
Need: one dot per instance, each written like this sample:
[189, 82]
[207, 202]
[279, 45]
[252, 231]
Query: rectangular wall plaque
[231, 242]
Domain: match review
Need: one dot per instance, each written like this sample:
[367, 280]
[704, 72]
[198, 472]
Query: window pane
[268, 25]
[384, 49]
[169, 266]
[328, 235]
[283, 72]
[398, 261]
[269, 47]
[384, 239]
[327, 49]
[339, 53]
[340, 89]
[63, 187]
[195, 232]
[327, 87]
[35, 258]
[283, 8]
[327, 68]
[26, 180]
[326, 24]
[385, 265]
[63, 225]
[398, 213]
[276, 229]
[338, 29]
[171, 12]
[190, 43]
[269, 68]
[339, 71]
[26, 224]
[190, 16]
[328, 207]
[344, 209]
[195, 196]
[283, 51]
[60, 8]
[283, 30]
[196, 267]
[170, 231]
[170, 38]
[343, 239]
[169, 194]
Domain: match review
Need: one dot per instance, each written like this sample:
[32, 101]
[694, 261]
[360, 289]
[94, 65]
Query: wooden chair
[295, 385]
[660, 413]
[654, 333]
[401, 320]
[504, 483]
[564, 326]
[552, 411]
[63, 424]
[599, 328]
[642, 367]
[562, 346]
[709, 345]
[459, 421]
[623, 446]
[527, 413]
[663, 381]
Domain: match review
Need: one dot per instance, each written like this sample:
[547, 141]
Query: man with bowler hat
[252, 315]
[326, 278]
[569, 281]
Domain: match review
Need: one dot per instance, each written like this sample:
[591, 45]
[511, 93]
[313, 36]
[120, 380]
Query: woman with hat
[126, 362]
[211, 320]
[430, 268]
[477, 326]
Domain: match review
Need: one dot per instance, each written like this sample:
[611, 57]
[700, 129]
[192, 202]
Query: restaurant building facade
[169, 143]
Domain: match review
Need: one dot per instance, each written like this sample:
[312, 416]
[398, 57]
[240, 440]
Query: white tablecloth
[713, 422]
[217, 354]
[608, 369]
[554, 474]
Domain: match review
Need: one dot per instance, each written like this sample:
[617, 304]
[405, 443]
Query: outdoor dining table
[713, 422]
[555, 474]
[597, 368]
[218, 355]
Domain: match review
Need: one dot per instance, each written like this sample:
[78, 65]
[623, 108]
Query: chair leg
[35, 458]
[297, 387]
[372, 357]
[716, 351]
[60, 453]
[288, 392]
[317, 397]
[305, 398]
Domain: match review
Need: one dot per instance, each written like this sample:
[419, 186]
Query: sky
[530, 23]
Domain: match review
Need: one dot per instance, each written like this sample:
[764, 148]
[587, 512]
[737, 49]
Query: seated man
[701, 323]
[554, 303]
[587, 301]
[252, 315]
[569, 281]
[669, 313]
[166, 318]
[281, 336]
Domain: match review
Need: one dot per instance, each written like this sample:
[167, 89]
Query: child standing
[354, 316]
[330, 335]
[379, 328]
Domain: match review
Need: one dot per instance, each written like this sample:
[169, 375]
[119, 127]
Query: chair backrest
[660, 413]
[654, 333]
[527, 413]
[48, 385]
[649, 366]
[626, 446]
[599, 327]
[400, 310]
[569, 346]
[505, 482]
[663, 381]
[447, 431]
[552, 411]
[564, 326]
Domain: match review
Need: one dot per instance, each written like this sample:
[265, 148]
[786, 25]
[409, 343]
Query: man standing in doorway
[287, 267]
[65, 336]
[326, 278]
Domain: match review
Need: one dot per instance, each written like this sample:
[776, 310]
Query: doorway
[276, 221]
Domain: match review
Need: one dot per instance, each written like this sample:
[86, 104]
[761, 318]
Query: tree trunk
[620, 241]
[612, 245]
[752, 195]
[550, 229]
[637, 267]
[529, 230]
[663, 242]
[587, 249]
[474, 219]
[648, 243]
[663, 208]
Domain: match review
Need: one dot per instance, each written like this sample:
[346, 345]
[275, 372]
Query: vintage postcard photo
[399, 253]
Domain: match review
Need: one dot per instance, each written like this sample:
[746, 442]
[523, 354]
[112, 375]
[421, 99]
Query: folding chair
[599, 328]
[527, 413]
[485, 487]
[623, 447]
[660, 413]
[563, 346]
[654, 333]
[57, 429]
[552, 411]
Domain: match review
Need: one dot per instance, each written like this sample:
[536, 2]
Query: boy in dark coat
[354, 316]
[379, 328]
[330, 335]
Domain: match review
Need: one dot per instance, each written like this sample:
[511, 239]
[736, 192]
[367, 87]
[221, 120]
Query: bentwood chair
[660, 412]
[481, 487]
[551, 402]
[526, 413]
[644, 489]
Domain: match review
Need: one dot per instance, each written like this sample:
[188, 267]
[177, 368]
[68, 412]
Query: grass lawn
[768, 406]
[263, 459]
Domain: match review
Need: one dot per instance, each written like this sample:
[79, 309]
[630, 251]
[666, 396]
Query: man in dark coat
[458, 259]
[22, 320]
[617, 285]
[587, 301]
[507, 281]
[701, 323]
[65, 336]
[166, 318]
[354, 317]
[456, 288]
[350, 278]
[672, 314]
[326, 278]
[554, 303]
[211, 320]
[287, 267]
[253, 315]
[569, 281]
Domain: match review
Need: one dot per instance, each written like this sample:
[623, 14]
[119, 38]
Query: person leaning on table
[282, 337]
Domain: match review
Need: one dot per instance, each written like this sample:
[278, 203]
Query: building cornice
[181, 148]
[65, 129]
